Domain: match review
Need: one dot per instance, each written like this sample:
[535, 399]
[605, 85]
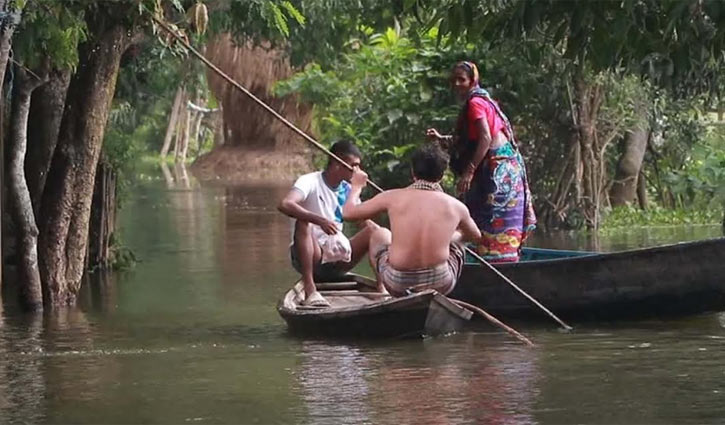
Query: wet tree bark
[66, 200]
[46, 111]
[624, 188]
[7, 29]
[103, 218]
[21, 207]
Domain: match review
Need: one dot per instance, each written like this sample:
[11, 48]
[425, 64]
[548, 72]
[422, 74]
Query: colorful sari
[499, 199]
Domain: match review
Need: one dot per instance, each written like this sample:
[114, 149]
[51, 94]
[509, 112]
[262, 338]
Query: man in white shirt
[319, 249]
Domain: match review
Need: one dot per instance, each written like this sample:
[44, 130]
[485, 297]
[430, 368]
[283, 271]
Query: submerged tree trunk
[21, 207]
[182, 141]
[195, 130]
[66, 201]
[180, 127]
[103, 217]
[175, 109]
[46, 111]
[7, 29]
[624, 188]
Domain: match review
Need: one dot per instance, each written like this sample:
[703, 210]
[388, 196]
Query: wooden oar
[322, 148]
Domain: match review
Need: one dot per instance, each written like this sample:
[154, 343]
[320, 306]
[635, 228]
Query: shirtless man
[319, 249]
[422, 250]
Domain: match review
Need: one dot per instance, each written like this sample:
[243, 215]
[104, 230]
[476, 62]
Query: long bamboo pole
[493, 320]
[328, 153]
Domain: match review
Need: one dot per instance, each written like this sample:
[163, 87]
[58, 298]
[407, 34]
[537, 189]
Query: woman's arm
[484, 142]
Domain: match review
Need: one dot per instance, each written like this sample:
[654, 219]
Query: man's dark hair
[429, 162]
[345, 148]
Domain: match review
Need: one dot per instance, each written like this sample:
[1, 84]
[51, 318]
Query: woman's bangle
[447, 138]
[471, 167]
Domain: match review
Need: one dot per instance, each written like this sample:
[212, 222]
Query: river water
[191, 335]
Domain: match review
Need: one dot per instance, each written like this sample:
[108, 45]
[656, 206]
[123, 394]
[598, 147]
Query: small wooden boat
[669, 280]
[358, 310]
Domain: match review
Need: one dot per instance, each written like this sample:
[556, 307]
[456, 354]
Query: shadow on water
[191, 335]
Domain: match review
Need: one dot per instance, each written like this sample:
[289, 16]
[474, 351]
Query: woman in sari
[490, 172]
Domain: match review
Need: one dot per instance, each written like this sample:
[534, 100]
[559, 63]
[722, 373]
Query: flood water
[191, 335]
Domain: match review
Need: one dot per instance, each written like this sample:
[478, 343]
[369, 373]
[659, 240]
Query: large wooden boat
[357, 311]
[677, 279]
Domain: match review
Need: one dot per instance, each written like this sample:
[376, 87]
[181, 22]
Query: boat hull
[425, 314]
[664, 281]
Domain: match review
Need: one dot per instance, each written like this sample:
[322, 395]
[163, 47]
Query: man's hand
[327, 226]
[359, 178]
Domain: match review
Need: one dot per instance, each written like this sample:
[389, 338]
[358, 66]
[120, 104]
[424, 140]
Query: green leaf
[294, 13]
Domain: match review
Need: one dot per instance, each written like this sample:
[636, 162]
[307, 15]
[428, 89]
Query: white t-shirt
[320, 199]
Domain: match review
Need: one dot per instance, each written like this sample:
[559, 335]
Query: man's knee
[370, 226]
[381, 235]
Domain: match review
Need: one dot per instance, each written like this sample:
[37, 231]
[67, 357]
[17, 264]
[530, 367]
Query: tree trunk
[642, 191]
[183, 141]
[218, 124]
[103, 217]
[624, 188]
[195, 130]
[21, 207]
[172, 121]
[180, 126]
[7, 28]
[168, 178]
[46, 111]
[588, 102]
[66, 201]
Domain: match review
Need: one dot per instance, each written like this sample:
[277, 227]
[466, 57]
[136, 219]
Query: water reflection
[255, 235]
[99, 291]
[419, 382]
[332, 376]
[22, 382]
[49, 363]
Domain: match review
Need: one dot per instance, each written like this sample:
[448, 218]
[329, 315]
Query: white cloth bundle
[335, 248]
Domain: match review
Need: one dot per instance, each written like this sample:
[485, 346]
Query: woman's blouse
[479, 108]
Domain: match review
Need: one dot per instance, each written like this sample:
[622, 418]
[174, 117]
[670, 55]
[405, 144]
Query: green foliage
[629, 216]
[49, 31]
[677, 44]
[382, 94]
[258, 19]
[701, 182]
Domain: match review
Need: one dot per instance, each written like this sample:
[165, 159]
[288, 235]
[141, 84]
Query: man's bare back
[423, 223]
[416, 253]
